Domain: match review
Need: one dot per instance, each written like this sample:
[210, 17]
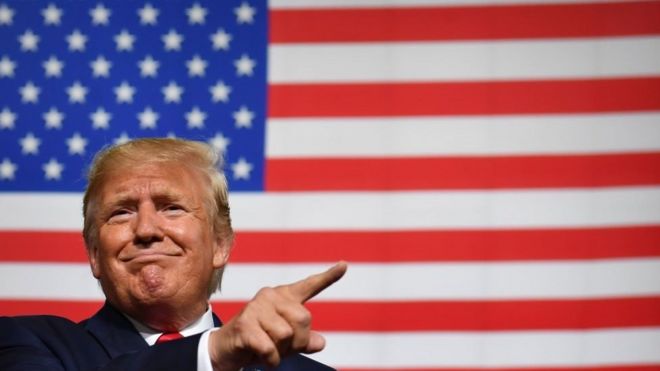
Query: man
[158, 236]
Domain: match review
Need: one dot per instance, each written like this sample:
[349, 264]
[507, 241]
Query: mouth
[146, 257]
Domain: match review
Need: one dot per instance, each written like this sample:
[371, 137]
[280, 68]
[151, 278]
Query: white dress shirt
[203, 324]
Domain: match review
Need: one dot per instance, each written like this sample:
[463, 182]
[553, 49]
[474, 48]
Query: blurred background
[490, 169]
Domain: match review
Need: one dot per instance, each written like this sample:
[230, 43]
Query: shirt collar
[203, 323]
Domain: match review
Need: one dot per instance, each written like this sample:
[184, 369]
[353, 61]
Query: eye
[119, 214]
[173, 209]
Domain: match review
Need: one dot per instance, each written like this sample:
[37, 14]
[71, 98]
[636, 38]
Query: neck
[167, 318]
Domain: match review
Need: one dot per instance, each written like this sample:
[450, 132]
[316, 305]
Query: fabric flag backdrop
[490, 169]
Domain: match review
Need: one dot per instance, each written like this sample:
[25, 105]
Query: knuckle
[302, 317]
[265, 349]
[241, 323]
[267, 352]
[283, 332]
[268, 293]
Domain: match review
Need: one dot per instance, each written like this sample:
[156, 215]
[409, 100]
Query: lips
[146, 255]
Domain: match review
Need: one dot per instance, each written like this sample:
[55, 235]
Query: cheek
[186, 233]
[113, 238]
[195, 240]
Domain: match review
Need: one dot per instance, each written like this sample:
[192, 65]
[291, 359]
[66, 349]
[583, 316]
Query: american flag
[491, 169]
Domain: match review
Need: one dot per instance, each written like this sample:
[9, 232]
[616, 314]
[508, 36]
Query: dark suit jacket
[107, 341]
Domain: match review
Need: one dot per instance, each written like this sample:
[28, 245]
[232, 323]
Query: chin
[154, 294]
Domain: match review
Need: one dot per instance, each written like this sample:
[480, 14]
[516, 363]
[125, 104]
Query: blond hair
[163, 150]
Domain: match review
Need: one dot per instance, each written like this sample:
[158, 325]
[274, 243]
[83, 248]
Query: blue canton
[76, 76]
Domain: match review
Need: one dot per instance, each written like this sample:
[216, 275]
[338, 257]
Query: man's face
[156, 249]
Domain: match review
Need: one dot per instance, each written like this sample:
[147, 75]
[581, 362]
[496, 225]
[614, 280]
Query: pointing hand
[273, 325]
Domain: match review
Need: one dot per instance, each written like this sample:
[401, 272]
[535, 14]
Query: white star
[148, 14]
[7, 169]
[7, 119]
[30, 144]
[52, 169]
[148, 67]
[220, 40]
[148, 118]
[53, 118]
[76, 144]
[220, 92]
[195, 118]
[29, 41]
[7, 67]
[100, 118]
[124, 93]
[219, 143]
[29, 93]
[6, 15]
[196, 14]
[76, 41]
[172, 92]
[100, 67]
[53, 67]
[196, 66]
[123, 138]
[244, 65]
[241, 169]
[77, 93]
[100, 15]
[172, 40]
[51, 14]
[124, 41]
[243, 117]
[245, 13]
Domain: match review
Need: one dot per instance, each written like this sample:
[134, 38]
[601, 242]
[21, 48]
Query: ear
[221, 251]
[92, 255]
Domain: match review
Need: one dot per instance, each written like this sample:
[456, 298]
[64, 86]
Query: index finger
[309, 287]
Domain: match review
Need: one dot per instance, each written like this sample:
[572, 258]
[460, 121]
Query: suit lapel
[114, 332]
[216, 321]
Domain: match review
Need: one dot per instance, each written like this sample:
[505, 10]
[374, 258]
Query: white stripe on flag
[461, 135]
[532, 349]
[299, 211]
[448, 210]
[464, 61]
[47, 211]
[413, 281]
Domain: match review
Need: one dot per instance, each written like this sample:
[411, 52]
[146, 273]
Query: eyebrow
[126, 198]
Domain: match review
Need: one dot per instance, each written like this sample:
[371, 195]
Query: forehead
[163, 179]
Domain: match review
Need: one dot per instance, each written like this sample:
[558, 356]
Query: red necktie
[168, 336]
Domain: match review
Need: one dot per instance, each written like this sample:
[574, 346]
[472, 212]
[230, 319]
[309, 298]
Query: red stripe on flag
[478, 315]
[637, 367]
[464, 98]
[74, 310]
[454, 245]
[426, 315]
[384, 246]
[42, 246]
[464, 23]
[462, 172]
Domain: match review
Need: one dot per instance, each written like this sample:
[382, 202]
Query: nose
[147, 226]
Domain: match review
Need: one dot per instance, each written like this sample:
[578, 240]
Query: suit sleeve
[57, 346]
[21, 350]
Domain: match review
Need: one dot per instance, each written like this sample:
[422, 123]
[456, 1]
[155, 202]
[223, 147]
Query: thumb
[316, 343]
